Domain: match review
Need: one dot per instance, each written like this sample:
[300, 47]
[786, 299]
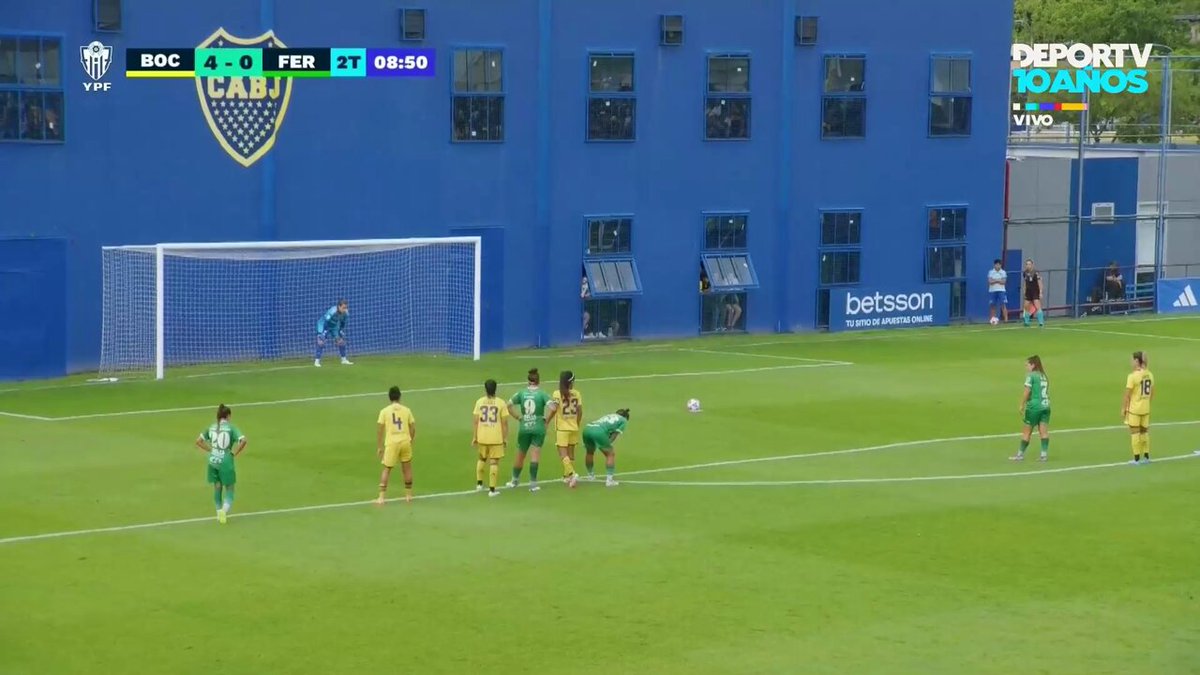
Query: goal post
[173, 305]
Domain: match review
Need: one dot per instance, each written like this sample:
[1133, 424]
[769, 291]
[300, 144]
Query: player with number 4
[395, 431]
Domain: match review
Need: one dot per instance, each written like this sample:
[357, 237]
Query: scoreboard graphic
[245, 84]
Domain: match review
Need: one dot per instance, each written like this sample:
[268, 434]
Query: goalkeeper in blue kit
[332, 326]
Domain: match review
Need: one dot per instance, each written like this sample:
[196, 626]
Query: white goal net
[170, 305]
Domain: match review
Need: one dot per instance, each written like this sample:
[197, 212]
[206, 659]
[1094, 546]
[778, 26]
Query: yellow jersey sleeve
[409, 418]
[383, 416]
[1131, 381]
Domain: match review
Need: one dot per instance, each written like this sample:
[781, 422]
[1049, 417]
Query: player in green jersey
[222, 442]
[529, 406]
[1035, 408]
[601, 435]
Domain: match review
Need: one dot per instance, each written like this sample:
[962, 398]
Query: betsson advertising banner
[874, 309]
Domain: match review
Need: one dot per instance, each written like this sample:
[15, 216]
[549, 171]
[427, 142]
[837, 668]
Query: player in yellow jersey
[490, 436]
[1135, 410]
[567, 406]
[395, 430]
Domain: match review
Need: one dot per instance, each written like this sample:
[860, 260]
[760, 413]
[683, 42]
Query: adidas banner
[1178, 295]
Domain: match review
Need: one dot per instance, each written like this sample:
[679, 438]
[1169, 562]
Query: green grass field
[843, 504]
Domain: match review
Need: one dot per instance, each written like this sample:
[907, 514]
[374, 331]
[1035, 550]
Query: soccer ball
[995, 321]
[693, 405]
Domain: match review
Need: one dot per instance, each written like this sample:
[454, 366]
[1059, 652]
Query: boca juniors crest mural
[244, 113]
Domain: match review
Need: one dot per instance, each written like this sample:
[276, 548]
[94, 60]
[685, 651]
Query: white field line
[219, 373]
[35, 418]
[829, 362]
[436, 495]
[900, 479]
[1126, 334]
[458, 387]
[885, 446]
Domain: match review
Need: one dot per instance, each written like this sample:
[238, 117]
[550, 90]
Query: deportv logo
[1081, 68]
[1186, 299]
[96, 58]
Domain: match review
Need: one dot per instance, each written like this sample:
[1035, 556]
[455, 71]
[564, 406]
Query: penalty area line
[898, 479]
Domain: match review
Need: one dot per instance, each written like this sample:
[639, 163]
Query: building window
[844, 104]
[947, 224]
[727, 105]
[806, 31]
[840, 256]
[607, 318]
[946, 254]
[31, 94]
[722, 312]
[478, 101]
[412, 25]
[609, 235]
[107, 15]
[612, 106]
[608, 266]
[950, 96]
[671, 30]
[724, 231]
[840, 268]
[944, 263]
[612, 277]
[841, 228]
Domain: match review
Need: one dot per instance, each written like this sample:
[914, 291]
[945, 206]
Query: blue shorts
[999, 298]
[331, 335]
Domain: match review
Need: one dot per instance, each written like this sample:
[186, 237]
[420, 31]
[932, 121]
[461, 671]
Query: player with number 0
[222, 442]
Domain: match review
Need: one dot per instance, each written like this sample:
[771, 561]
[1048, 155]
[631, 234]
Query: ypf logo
[96, 57]
[244, 113]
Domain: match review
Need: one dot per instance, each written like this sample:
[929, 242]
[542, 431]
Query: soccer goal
[171, 305]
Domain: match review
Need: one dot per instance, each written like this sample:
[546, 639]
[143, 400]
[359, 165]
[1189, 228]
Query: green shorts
[596, 440]
[1037, 416]
[224, 474]
[525, 439]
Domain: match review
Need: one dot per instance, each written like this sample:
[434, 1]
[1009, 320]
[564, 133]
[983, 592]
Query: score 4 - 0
[1029, 120]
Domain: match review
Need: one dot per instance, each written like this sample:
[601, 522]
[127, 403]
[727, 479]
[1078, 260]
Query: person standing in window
[997, 283]
[733, 311]
[584, 294]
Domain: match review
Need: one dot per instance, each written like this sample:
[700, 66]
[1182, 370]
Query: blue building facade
[787, 147]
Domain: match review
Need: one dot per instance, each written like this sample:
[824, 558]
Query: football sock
[480, 467]
[1025, 317]
[493, 475]
[1024, 446]
[228, 497]
[1041, 317]
[1045, 445]
[320, 350]
[342, 351]
[517, 473]
[590, 462]
[533, 467]
[568, 467]
[217, 497]
[611, 470]
[1145, 445]
[1136, 443]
